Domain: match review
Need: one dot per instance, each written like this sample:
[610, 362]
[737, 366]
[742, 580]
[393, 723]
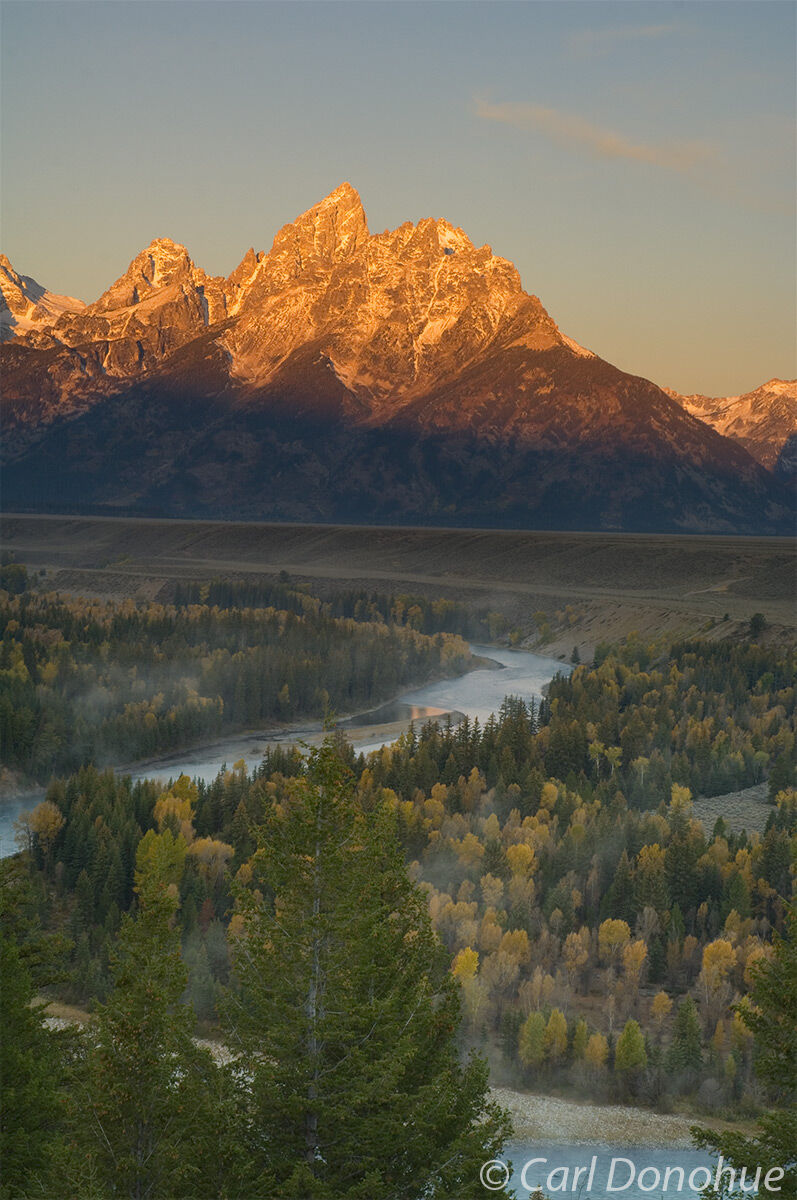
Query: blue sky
[635, 160]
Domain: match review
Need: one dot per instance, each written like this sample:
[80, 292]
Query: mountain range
[403, 377]
[762, 420]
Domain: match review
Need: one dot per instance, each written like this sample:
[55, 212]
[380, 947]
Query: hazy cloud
[570, 129]
[601, 41]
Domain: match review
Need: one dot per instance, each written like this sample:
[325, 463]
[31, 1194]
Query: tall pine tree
[32, 1058]
[346, 1012]
[147, 1106]
[770, 1012]
[685, 1055]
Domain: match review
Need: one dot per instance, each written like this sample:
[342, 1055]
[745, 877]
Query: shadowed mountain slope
[399, 377]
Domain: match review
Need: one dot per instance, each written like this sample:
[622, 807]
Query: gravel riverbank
[535, 1118]
[568, 1122]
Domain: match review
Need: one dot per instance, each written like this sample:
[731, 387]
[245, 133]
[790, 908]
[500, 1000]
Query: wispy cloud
[601, 41]
[597, 140]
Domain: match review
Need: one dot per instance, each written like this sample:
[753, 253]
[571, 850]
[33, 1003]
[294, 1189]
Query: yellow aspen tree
[175, 812]
[212, 857]
[719, 959]
[490, 933]
[575, 955]
[596, 1053]
[466, 964]
[531, 1040]
[500, 973]
[634, 956]
[492, 891]
[555, 1040]
[613, 936]
[530, 991]
[46, 821]
[520, 858]
[516, 944]
[470, 850]
[660, 1009]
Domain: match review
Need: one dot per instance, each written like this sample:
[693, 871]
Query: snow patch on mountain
[761, 420]
[581, 351]
[25, 305]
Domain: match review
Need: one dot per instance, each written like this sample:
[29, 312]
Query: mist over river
[654, 1145]
[476, 694]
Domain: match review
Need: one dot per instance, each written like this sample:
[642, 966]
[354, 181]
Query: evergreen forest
[89, 681]
[297, 981]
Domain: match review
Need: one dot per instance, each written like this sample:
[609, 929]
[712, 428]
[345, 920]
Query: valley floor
[609, 583]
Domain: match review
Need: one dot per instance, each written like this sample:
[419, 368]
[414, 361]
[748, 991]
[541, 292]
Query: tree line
[94, 681]
[597, 936]
[430, 616]
[340, 1075]
[563, 902]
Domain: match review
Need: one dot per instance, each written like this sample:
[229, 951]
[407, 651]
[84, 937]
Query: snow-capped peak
[26, 305]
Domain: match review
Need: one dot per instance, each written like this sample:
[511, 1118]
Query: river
[600, 1171]
[476, 694]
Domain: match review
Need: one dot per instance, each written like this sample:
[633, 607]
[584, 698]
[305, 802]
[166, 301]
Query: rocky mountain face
[25, 305]
[761, 421]
[347, 376]
[786, 463]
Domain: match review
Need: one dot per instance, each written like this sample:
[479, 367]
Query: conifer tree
[619, 900]
[142, 1123]
[346, 1012]
[31, 1063]
[770, 1012]
[685, 1054]
[630, 1055]
[580, 1039]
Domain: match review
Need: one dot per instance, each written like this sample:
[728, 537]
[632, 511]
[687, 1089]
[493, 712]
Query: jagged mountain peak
[11, 278]
[26, 306]
[163, 250]
[330, 231]
[779, 386]
[343, 195]
[247, 266]
[161, 301]
[162, 263]
[452, 239]
[389, 312]
[762, 420]
[405, 375]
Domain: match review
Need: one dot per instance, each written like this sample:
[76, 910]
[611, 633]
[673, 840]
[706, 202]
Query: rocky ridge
[403, 376]
[761, 421]
[25, 305]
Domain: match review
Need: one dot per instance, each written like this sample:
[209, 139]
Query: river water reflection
[481, 693]
[477, 694]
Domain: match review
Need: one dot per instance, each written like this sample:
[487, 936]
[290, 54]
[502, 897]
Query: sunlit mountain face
[762, 420]
[402, 377]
